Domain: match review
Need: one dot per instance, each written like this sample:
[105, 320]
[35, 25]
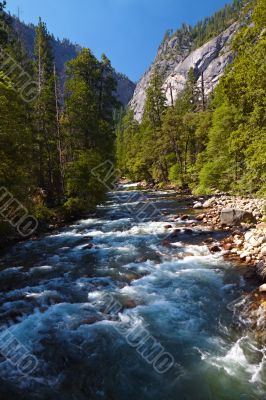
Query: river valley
[167, 292]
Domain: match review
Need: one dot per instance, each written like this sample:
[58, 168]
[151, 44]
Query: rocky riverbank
[244, 218]
[9, 235]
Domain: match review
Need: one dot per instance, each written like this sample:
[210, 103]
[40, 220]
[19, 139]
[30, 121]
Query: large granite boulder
[233, 217]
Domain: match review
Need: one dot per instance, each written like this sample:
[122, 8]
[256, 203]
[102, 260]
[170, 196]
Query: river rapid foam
[53, 302]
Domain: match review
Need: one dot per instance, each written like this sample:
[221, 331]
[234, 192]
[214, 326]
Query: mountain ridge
[213, 34]
[64, 50]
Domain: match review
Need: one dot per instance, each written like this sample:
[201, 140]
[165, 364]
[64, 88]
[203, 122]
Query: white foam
[43, 268]
[236, 363]
[175, 296]
[9, 272]
[129, 185]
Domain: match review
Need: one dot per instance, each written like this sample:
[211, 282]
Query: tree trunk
[58, 134]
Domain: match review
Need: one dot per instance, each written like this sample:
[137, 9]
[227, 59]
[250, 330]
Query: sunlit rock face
[125, 88]
[208, 61]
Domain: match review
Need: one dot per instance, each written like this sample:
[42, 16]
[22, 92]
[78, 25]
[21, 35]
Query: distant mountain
[64, 51]
[204, 47]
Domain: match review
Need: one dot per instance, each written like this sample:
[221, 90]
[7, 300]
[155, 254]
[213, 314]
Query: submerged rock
[88, 246]
[251, 309]
[130, 304]
[132, 277]
[166, 243]
[90, 320]
[185, 254]
[215, 248]
[175, 233]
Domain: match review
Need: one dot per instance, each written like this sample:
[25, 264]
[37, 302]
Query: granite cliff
[175, 59]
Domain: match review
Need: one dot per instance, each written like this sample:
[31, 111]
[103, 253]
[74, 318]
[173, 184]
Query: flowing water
[170, 293]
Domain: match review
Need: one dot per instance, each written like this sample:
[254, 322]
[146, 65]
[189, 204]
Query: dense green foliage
[212, 26]
[88, 126]
[193, 37]
[15, 121]
[220, 145]
[235, 154]
[48, 146]
[45, 123]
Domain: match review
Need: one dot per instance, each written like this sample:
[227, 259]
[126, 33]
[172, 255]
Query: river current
[118, 307]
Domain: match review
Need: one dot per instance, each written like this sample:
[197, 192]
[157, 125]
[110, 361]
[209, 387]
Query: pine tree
[46, 107]
[155, 105]
[235, 156]
[15, 140]
[81, 102]
[15, 122]
[4, 24]
[89, 126]
[128, 145]
[191, 92]
[107, 86]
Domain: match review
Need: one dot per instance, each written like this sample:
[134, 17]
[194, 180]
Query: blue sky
[128, 31]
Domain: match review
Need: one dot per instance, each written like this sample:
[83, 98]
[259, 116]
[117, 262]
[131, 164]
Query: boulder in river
[209, 203]
[234, 216]
[262, 288]
[129, 303]
[175, 233]
[90, 320]
[228, 246]
[200, 217]
[88, 246]
[214, 248]
[166, 243]
[198, 205]
[244, 255]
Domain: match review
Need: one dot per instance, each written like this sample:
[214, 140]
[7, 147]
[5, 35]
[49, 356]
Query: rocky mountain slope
[64, 51]
[174, 60]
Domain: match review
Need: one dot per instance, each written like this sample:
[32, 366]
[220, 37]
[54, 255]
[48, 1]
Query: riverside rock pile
[244, 217]
[216, 209]
[250, 246]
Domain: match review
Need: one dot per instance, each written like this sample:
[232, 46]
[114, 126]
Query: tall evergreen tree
[155, 101]
[3, 25]
[81, 103]
[46, 116]
[89, 125]
[235, 156]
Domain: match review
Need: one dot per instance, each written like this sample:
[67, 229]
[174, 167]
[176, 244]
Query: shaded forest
[48, 143]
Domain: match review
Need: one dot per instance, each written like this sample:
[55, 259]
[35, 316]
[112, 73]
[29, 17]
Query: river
[114, 308]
